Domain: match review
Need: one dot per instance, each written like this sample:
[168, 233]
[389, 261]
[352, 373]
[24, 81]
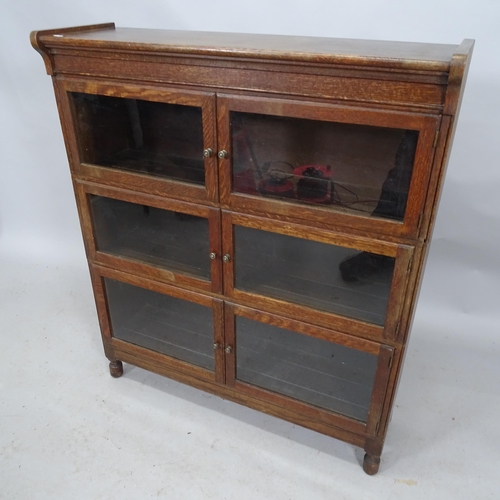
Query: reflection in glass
[178, 328]
[312, 370]
[352, 168]
[172, 240]
[152, 138]
[326, 277]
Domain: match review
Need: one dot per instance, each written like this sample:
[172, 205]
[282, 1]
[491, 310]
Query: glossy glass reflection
[318, 275]
[356, 169]
[175, 327]
[172, 240]
[312, 370]
[152, 138]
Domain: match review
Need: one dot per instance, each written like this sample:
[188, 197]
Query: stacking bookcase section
[256, 210]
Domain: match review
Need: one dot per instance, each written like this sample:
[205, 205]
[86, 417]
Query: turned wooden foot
[371, 464]
[116, 368]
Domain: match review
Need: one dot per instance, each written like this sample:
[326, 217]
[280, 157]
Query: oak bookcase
[256, 210]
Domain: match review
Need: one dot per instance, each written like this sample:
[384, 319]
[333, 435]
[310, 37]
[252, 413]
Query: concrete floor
[69, 430]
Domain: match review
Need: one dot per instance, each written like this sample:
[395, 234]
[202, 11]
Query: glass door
[144, 138]
[144, 318]
[349, 283]
[365, 169]
[163, 239]
[279, 359]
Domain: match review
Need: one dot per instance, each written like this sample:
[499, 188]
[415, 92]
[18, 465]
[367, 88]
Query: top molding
[375, 53]
[39, 38]
[438, 71]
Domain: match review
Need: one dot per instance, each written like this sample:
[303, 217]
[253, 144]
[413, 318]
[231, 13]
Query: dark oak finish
[212, 266]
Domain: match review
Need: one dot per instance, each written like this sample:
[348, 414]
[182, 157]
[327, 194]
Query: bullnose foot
[371, 464]
[116, 368]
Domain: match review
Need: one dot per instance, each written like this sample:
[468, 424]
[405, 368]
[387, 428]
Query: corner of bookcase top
[35, 38]
[457, 77]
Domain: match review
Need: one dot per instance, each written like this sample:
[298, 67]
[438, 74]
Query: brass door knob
[228, 349]
[212, 255]
[226, 258]
[216, 346]
[207, 153]
[223, 154]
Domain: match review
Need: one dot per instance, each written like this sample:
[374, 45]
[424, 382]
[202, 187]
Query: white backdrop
[455, 344]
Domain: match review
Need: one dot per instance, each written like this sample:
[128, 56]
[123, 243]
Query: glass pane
[178, 328]
[327, 277]
[316, 371]
[357, 169]
[173, 240]
[147, 137]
